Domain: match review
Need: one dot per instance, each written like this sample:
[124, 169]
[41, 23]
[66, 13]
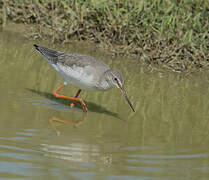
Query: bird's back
[77, 69]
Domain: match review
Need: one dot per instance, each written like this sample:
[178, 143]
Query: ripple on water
[18, 157]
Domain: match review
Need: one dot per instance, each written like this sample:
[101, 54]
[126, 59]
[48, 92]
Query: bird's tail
[49, 54]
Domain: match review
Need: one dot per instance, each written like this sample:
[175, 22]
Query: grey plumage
[84, 71]
[50, 54]
[72, 62]
[69, 59]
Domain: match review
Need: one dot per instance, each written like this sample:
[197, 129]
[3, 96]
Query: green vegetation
[170, 33]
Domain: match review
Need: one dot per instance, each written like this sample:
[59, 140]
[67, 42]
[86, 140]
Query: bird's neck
[103, 83]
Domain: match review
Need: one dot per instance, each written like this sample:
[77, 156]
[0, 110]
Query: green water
[166, 138]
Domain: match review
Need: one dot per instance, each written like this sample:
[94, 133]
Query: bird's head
[115, 78]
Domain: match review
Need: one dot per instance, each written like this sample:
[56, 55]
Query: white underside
[76, 76]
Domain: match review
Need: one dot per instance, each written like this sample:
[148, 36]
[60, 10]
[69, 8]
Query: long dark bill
[124, 93]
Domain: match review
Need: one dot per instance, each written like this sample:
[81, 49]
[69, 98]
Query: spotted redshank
[84, 72]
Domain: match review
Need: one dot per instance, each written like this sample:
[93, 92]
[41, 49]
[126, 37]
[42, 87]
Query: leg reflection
[75, 124]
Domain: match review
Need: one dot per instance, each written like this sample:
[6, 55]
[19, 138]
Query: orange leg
[77, 94]
[71, 98]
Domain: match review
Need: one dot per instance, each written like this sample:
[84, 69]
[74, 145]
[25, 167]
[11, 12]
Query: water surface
[166, 138]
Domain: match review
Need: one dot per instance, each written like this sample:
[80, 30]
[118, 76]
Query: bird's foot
[82, 104]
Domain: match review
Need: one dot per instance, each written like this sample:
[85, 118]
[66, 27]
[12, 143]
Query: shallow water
[166, 138]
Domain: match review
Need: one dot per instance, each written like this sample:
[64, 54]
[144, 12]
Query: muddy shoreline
[174, 39]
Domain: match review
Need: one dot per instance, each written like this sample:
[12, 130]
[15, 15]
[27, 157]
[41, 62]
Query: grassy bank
[171, 33]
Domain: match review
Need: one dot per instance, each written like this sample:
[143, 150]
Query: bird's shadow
[92, 107]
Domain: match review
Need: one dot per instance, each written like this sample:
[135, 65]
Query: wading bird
[84, 72]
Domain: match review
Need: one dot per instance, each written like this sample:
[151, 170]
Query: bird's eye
[115, 79]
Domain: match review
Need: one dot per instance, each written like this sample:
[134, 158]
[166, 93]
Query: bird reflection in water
[75, 152]
[75, 124]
